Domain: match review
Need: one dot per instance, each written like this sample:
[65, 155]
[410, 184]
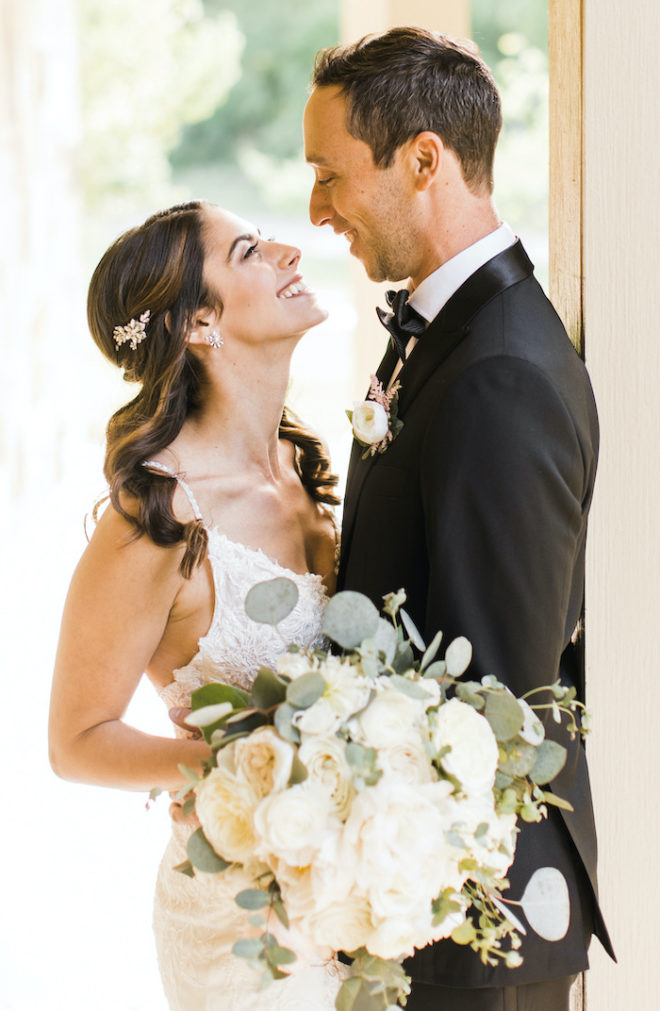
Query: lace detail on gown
[196, 920]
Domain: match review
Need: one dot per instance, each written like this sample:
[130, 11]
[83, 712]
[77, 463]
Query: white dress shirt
[434, 292]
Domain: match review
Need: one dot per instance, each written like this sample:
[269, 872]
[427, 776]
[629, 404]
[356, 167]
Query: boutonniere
[374, 420]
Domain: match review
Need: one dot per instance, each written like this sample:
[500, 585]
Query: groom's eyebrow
[248, 237]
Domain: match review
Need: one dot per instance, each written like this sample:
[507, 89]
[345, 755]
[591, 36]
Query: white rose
[225, 806]
[344, 924]
[347, 691]
[294, 665]
[474, 753]
[370, 422]
[325, 761]
[493, 847]
[395, 839]
[264, 761]
[290, 825]
[408, 761]
[390, 718]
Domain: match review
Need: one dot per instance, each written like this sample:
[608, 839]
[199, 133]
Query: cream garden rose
[370, 422]
[264, 761]
[391, 717]
[473, 753]
[225, 806]
[326, 764]
[290, 825]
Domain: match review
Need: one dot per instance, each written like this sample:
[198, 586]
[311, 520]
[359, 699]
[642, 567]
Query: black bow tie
[403, 322]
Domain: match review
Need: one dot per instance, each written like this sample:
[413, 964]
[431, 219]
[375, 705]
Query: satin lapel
[451, 325]
[359, 468]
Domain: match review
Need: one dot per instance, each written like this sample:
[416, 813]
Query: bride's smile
[262, 292]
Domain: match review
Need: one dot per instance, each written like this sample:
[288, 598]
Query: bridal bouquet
[373, 797]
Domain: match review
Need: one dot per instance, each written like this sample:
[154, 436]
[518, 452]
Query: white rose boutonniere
[375, 422]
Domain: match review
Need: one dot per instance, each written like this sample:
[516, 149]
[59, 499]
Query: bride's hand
[177, 815]
[179, 716]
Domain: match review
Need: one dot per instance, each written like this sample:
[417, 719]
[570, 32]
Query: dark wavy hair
[408, 80]
[159, 266]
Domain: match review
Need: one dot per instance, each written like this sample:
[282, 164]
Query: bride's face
[262, 291]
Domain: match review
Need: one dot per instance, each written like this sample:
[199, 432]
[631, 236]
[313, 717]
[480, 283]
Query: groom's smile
[369, 205]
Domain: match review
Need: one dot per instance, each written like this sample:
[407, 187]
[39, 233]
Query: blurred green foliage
[146, 70]
[263, 111]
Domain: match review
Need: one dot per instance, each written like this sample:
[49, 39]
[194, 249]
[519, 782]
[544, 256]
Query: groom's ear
[426, 153]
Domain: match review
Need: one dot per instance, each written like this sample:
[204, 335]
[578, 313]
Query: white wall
[622, 316]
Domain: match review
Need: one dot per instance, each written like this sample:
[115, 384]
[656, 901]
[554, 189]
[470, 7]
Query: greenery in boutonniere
[374, 420]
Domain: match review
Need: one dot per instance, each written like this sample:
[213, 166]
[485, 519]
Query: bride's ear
[204, 323]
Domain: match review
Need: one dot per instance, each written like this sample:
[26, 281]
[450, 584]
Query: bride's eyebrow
[248, 237]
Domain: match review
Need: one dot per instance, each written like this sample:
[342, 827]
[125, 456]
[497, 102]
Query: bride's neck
[241, 409]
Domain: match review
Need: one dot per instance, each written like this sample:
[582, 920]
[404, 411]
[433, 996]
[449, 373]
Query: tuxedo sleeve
[503, 484]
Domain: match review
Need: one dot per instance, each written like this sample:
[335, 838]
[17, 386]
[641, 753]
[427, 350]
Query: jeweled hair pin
[133, 333]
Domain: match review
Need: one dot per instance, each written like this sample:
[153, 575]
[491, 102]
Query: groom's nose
[320, 208]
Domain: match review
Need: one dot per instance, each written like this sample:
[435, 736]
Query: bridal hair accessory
[214, 339]
[374, 420]
[133, 333]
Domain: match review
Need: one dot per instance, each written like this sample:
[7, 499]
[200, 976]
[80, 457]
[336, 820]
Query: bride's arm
[122, 596]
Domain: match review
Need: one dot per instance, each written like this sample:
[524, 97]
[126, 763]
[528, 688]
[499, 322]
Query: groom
[478, 508]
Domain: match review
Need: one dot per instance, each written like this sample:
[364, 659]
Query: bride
[214, 486]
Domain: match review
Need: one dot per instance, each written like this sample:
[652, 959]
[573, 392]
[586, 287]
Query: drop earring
[214, 339]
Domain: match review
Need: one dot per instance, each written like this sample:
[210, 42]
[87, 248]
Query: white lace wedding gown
[196, 920]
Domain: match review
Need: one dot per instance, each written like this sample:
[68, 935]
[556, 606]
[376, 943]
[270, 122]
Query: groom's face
[371, 206]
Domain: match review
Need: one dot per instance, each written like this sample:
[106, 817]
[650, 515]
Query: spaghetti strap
[155, 465]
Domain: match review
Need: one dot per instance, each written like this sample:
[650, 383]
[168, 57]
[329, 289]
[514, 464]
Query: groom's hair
[409, 80]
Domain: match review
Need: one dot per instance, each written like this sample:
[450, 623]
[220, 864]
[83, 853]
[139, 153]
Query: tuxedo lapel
[440, 339]
[358, 468]
[451, 324]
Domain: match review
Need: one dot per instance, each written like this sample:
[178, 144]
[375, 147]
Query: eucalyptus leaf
[552, 798]
[520, 758]
[207, 715]
[349, 618]
[248, 947]
[202, 855]
[432, 650]
[268, 690]
[305, 690]
[403, 658]
[466, 692]
[348, 994]
[504, 715]
[546, 903]
[436, 670]
[271, 601]
[299, 771]
[280, 911]
[458, 656]
[185, 868]
[252, 898]
[550, 760]
[410, 688]
[412, 630]
[279, 956]
[215, 692]
[285, 728]
[384, 640]
[506, 911]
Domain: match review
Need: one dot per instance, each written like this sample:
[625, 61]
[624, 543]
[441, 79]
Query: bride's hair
[158, 267]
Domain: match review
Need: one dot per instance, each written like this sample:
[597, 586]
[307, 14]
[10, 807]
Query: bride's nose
[288, 256]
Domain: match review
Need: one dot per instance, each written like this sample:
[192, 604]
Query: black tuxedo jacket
[478, 509]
